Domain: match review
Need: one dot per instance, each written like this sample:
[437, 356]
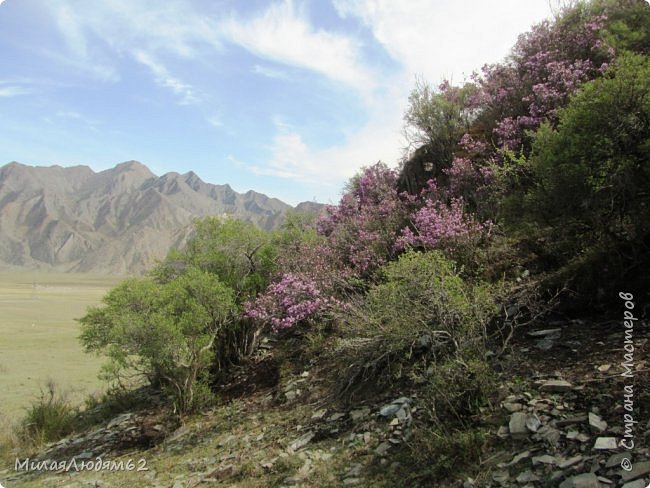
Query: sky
[289, 98]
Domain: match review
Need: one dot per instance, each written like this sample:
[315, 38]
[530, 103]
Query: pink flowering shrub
[310, 276]
[367, 229]
[291, 300]
[363, 227]
[467, 179]
[438, 223]
[547, 65]
[472, 146]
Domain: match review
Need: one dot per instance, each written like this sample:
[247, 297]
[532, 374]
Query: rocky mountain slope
[556, 421]
[115, 221]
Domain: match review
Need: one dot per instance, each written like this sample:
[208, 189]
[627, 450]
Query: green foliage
[296, 237]
[111, 403]
[628, 25]
[239, 253]
[49, 418]
[592, 173]
[165, 332]
[427, 286]
[445, 453]
[473, 383]
[298, 226]
[437, 119]
[423, 312]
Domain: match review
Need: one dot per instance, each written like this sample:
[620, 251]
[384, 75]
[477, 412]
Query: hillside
[117, 221]
[475, 318]
[277, 424]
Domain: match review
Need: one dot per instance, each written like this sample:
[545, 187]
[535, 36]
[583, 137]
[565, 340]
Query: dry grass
[40, 335]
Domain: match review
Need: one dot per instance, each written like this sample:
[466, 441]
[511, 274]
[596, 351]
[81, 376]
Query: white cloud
[72, 29]
[215, 121]
[163, 78]
[292, 158]
[128, 28]
[13, 91]
[124, 25]
[445, 39]
[283, 34]
[433, 39]
[436, 40]
[270, 72]
[68, 114]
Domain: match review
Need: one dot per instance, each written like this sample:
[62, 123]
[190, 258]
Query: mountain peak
[132, 166]
[119, 220]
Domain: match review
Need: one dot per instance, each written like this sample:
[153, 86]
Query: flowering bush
[436, 224]
[363, 227]
[547, 65]
[293, 299]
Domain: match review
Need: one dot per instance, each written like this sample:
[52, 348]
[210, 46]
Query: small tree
[241, 255]
[165, 332]
[437, 119]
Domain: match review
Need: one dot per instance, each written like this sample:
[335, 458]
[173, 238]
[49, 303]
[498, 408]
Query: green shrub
[592, 172]
[422, 312]
[588, 199]
[164, 332]
[239, 253]
[110, 404]
[437, 119]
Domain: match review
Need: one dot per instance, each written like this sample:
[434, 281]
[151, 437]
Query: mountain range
[117, 221]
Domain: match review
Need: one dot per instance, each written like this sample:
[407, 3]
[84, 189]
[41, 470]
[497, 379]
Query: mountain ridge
[116, 221]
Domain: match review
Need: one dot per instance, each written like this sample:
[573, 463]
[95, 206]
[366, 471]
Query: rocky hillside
[115, 221]
[555, 420]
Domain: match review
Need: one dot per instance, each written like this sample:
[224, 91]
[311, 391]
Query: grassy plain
[38, 336]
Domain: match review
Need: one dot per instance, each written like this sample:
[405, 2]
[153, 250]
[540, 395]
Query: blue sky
[288, 97]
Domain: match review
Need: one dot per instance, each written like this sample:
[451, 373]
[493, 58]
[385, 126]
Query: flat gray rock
[545, 459]
[549, 434]
[319, 414]
[382, 449]
[615, 460]
[545, 333]
[527, 477]
[635, 484]
[532, 422]
[570, 462]
[389, 410]
[556, 386]
[352, 481]
[517, 425]
[574, 419]
[597, 423]
[513, 407]
[501, 477]
[302, 441]
[519, 457]
[585, 480]
[578, 436]
[606, 443]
